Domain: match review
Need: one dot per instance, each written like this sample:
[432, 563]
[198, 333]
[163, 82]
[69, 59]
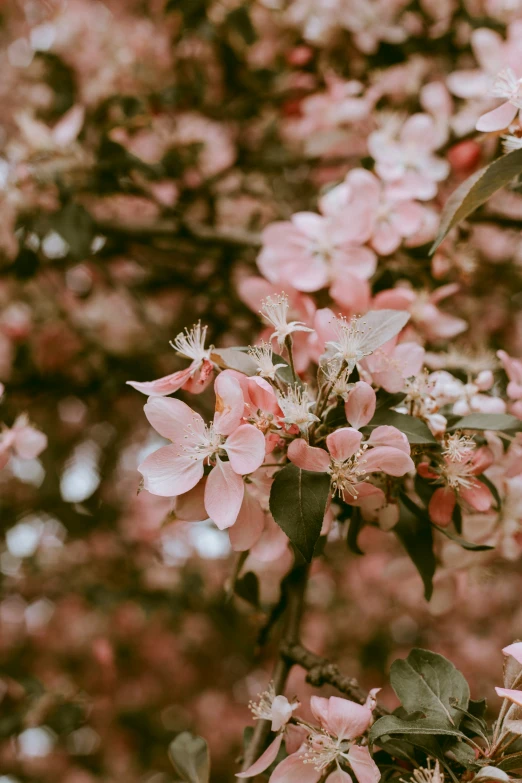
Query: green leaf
[392, 724]
[247, 588]
[355, 525]
[298, 504]
[492, 488]
[462, 753]
[415, 429]
[427, 682]
[462, 541]
[476, 190]
[190, 757]
[388, 400]
[487, 421]
[285, 373]
[234, 359]
[417, 539]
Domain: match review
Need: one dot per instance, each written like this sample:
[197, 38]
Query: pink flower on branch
[349, 462]
[177, 468]
[197, 376]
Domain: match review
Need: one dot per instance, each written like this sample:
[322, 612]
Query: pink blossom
[177, 468]
[462, 462]
[404, 157]
[195, 378]
[432, 322]
[349, 463]
[509, 87]
[22, 440]
[391, 364]
[492, 53]
[313, 251]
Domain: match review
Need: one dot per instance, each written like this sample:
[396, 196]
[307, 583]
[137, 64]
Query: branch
[322, 672]
[173, 227]
[296, 583]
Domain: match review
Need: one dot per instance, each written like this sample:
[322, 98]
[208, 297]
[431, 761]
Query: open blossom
[327, 747]
[506, 86]
[426, 315]
[351, 340]
[263, 356]
[178, 467]
[404, 156]
[191, 345]
[275, 311]
[457, 472]
[313, 251]
[21, 440]
[277, 709]
[349, 462]
[297, 407]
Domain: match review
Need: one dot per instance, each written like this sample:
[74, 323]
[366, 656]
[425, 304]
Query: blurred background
[145, 144]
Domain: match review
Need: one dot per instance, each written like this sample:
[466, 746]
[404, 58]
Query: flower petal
[308, 457]
[346, 719]
[441, 506]
[360, 405]
[245, 449]
[168, 474]
[364, 767]
[515, 650]
[498, 119]
[294, 770]
[338, 776]
[478, 496]
[343, 443]
[224, 494]
[385, 435]
[264, 761]
[162, 386]
[229, 404]
[512, 695]
[171, 417]
[248, 526]
[390, 460]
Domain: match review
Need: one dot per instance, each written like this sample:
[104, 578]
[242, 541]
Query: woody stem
[295, 588]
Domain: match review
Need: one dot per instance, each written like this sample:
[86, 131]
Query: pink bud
[360, 405]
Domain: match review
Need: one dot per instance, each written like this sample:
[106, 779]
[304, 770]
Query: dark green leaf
[336, 417]
[424, 489]
[392, 724]
[234, 359]
[476, 190]
[427, 682]
[417, 539]
[415, 429]
[463, 753]
[190, 757]
[492, 488]
[487, 421]
[247, 587]
[298, 503]
[285, 373]
[388, 400]
[355, 525]
[462, 541]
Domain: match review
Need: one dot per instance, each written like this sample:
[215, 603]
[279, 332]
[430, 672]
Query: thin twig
[322, 672]
[295, 591]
